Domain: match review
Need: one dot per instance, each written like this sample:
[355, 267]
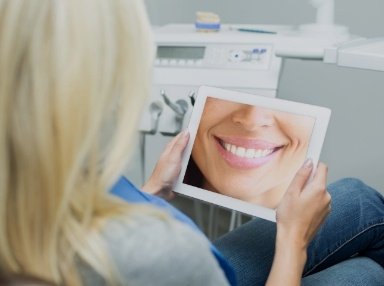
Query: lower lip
[242, 162]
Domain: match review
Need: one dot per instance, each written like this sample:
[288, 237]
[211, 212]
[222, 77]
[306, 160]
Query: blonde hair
[68, 70]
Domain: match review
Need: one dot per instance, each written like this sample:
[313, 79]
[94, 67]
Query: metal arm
[180, 107]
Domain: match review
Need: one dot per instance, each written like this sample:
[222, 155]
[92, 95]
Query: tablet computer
[245, 149]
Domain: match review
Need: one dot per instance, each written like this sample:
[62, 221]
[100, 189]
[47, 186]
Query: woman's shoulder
[138, 226]
[149, 248]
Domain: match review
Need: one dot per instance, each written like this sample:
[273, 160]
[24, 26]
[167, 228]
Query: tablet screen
[248, 152]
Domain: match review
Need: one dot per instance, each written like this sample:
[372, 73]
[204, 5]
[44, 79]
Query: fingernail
[308, 163]
[182, 135]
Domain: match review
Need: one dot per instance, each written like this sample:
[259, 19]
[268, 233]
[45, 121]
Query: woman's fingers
[171, 143]
[301, 177]
[321, 174]
[318, 185]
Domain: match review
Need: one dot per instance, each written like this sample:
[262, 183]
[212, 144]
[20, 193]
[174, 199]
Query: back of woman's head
[69, 70]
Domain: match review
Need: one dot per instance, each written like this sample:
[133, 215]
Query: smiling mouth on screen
[243, 153]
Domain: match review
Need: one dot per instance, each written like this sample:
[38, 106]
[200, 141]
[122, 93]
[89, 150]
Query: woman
[248, 152]
[74, 75]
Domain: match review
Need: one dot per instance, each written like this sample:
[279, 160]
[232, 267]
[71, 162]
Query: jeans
[347, 250]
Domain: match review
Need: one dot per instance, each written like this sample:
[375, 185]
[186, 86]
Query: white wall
[354, 143]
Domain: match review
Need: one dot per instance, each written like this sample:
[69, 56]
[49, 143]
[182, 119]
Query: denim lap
[355, 226]
[358, 271]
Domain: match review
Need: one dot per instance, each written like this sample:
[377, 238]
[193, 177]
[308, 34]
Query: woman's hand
[304, 207]
[299, 215]
[167, 168]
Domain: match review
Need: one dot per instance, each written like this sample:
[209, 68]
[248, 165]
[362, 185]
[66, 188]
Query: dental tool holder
[167, 113]
[150, 123]
[172, 122]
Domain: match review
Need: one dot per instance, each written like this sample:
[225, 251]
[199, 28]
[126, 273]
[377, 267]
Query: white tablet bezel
[320, 114]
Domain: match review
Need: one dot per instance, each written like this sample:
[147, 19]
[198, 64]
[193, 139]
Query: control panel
[257, 57]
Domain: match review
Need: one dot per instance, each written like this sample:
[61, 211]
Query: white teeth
[250, 153]
[240, 151]
[247, 153]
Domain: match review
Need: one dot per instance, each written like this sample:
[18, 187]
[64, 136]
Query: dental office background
[354, 145]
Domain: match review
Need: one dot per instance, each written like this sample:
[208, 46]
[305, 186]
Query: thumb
[301, 177]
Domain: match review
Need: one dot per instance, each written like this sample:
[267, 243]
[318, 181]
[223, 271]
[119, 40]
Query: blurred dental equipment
[149, 124]
[325, 20]
[309, 41]
[331, 43]
[325, 11]
[179, 107]
[187, 59]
